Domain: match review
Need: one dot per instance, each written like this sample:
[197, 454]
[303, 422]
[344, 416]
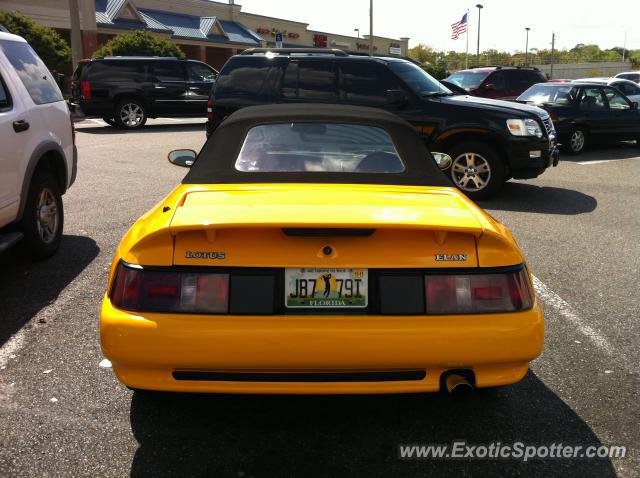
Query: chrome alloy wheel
[577, 140]
[131, 115]
[470, 172]
[47, 216]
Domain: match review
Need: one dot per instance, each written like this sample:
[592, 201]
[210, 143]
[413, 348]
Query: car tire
[476, 169]
[576, 141]
[130, 114]
[43, 217]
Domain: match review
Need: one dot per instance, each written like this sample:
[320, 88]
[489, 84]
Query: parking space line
[566, 311]
[15, 343]
[600, 161]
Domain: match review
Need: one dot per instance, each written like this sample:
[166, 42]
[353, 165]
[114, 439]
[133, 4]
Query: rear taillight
[85, 89]
[478, 293]
[554, 116]
[168, 291]
[210, 110]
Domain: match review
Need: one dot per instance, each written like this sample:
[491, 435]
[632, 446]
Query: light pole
[553, 50]
[371, 28]
[76, 34]
[526, 48]
[479, 7]
[357, 30]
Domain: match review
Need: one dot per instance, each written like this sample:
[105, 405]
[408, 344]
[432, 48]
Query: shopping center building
[205, 30]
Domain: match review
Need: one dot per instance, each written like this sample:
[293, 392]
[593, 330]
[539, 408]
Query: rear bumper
[100, 109]
[210, 127]
[146, 351]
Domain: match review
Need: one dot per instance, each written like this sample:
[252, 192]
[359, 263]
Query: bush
[48, 44]
[138, 43]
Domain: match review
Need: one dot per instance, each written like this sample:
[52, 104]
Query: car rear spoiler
[318, 216]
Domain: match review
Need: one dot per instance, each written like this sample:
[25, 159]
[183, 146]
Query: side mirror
[443, 160]
[397, 97]
[182, 157]
[634, 105]
[490, 87]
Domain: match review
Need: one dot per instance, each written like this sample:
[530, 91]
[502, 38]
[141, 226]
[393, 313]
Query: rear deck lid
[412, 227]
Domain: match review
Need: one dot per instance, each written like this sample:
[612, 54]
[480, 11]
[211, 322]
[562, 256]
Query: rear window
[468, 79]
[318, 147]
[33, 73]
[539, 94]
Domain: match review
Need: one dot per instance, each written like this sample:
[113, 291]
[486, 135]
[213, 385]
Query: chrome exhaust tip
[458, 386]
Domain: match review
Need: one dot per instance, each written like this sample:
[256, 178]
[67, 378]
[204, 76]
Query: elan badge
[451, 257]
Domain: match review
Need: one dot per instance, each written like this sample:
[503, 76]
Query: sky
[503, 22]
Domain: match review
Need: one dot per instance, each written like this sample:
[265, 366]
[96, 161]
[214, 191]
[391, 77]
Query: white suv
[38, 157]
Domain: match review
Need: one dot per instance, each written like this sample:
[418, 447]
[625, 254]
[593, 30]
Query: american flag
[458, 28]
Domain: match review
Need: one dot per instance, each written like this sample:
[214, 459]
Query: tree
[48, 44]
[139, 42]
[423, 54]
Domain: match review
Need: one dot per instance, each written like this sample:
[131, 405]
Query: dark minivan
[125, 91]
[485, 142]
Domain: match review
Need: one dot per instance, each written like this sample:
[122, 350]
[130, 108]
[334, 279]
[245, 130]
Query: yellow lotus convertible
[317, 249]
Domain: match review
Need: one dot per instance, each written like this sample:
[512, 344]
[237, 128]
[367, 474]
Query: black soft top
[216, 161]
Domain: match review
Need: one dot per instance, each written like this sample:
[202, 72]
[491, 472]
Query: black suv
[125, 91]
[485, 141]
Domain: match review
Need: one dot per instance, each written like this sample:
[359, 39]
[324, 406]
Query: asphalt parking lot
[62, 414]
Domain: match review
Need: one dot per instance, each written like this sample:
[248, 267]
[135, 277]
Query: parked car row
[584, 110]
[483, 142]
[478, 141]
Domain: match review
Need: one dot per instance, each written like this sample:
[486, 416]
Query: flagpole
[466, 55]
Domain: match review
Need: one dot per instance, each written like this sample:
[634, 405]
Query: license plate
[326, 288]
